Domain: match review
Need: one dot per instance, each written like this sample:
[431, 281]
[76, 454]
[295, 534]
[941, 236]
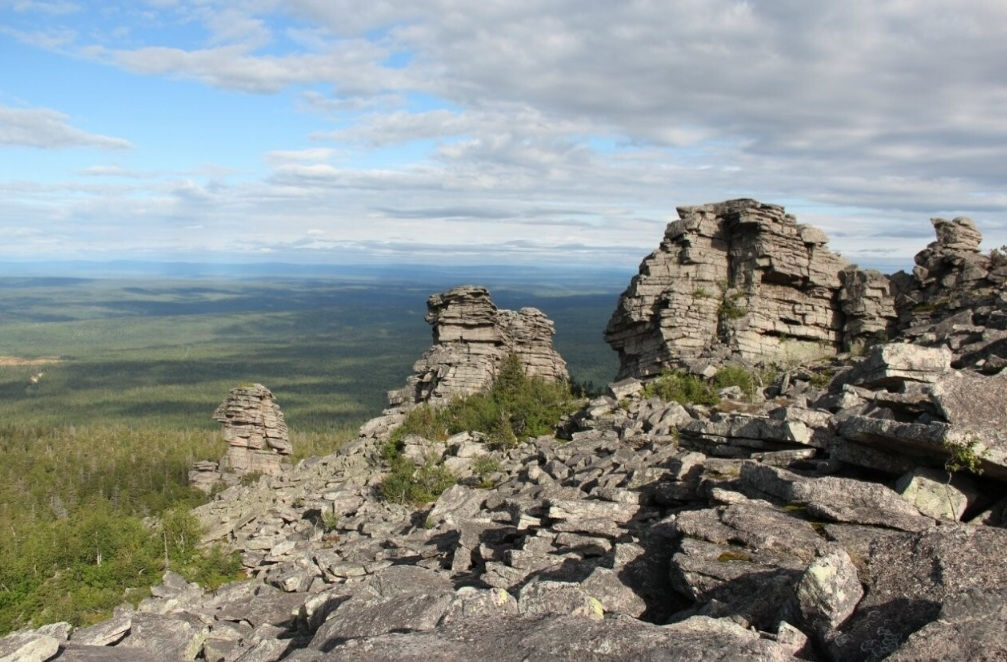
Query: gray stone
[548, 597]
[254, 430]
[105, 633]
[615, 596]
[364, 615]
[471, 339]
[473, 603]
[73, 652]
[740, 279]
[937, 494]
[907, 578]
[175, 637]
[266, 650]
[892, 364]
[829, 591]
[28, 647]
[567, 639]
[60, 631]
[267, 606]
[970, 626]
[837, 499]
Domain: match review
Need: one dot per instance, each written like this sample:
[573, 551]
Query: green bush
[484, 465]
[729, 308]
[683, 388]
[410, 484]
[733, 374]
[515, 406]
[77, 568]
[964, 456]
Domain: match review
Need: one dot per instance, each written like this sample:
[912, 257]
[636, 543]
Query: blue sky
[526, 131]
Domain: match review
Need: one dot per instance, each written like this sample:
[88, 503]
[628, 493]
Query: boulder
[908, 577]
[177, 636]
[566, 639]
[829, 591]
[28, 647]
[937, 494]
[837, 499]
[970, 626]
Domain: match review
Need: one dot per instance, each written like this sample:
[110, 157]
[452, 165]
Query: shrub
[683, 388]
[425, 421]
[483, 465]
[963, 456]
[251, 478]
[515, 406]
[409, 484]
[729, 308]
[736, 375]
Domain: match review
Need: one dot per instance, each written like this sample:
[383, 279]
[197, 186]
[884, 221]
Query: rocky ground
[847, 510]
[658, 531]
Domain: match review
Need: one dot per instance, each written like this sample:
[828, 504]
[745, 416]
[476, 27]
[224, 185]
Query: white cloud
[54, 8]
[285, 156]
[48, 129]
[865, 114]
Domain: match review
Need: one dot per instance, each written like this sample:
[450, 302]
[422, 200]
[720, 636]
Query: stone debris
[856, 518]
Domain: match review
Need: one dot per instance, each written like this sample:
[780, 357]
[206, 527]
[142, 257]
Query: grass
[683, 388]
[94, 458]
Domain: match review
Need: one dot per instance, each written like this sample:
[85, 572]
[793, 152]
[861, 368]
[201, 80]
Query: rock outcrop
[256, 436]
[743, 280]
[471, 339]
[956, 298]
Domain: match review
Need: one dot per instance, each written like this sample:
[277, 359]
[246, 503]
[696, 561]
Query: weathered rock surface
[829, 591]
[256, 436]
[472, 337]
[743, 280]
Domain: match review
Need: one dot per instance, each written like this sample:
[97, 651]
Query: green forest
[106, 392]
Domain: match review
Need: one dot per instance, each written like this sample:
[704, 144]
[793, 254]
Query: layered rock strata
[955, 297]
[255, 431]
[743, 280]
[472, 337]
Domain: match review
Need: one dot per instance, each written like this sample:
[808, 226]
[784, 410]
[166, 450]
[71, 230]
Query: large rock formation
[743, 280]
[956, 297]
[254, 430]
[471, 339]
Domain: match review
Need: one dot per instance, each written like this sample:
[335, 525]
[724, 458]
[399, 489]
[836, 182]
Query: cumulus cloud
[48, 129]
[865, 115]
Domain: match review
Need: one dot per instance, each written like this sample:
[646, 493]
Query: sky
[490, 132]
